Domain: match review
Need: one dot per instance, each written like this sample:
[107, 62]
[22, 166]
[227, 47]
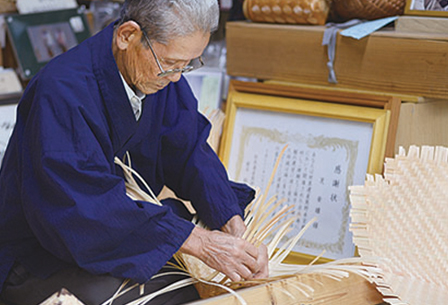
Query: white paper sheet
[323, 158]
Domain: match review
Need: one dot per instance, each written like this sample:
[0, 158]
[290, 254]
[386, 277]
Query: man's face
[139, 66]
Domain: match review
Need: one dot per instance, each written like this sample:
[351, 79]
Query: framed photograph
[435, 8]
[331, 146]
[37, 38]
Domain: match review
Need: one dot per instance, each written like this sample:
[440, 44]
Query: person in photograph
[436, 5]
[49, 42]
[61, 39]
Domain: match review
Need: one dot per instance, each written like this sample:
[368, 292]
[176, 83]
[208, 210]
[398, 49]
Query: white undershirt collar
[135, 98]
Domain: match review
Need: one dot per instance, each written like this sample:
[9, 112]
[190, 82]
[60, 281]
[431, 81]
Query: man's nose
[174, 77]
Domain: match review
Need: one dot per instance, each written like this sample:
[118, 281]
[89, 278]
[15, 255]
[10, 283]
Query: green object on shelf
[37, 38]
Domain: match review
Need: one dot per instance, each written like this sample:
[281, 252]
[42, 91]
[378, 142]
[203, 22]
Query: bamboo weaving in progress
[402, 218]
[294, 284]
[260, 225]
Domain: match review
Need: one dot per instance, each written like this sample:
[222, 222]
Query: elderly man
[65, 218]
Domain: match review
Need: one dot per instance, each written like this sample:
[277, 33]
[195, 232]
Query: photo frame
[430, 8]
[330, 146]
[38, 37]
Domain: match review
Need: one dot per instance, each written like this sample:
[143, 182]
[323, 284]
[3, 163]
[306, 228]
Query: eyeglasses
[194, 64]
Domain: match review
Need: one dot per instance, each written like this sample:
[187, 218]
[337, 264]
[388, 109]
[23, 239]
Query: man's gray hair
[163, 20]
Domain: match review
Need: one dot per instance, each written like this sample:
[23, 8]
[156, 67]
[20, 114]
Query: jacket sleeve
[74, 201]
[191, 167]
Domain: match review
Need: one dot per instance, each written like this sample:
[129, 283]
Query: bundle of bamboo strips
[403, 218]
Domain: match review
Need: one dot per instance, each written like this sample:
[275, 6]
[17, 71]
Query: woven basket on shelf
[343, 10]
[7, 6]
[287, 11]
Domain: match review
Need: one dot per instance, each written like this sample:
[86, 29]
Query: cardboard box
[416, 24]
[386, 61]
[422, 124]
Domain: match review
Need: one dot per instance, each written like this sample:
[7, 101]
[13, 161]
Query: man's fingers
[235, 226]
[234, 276]
[256, 260]
[235, 257]
[244, 272]
[250, 249]
[251, 266]
[263, 262]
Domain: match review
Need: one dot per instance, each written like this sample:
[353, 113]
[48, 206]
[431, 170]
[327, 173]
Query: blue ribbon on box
[366, 28]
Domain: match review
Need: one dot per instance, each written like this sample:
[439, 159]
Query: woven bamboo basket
[287, 11]
[7, 6]
[343, 10]
[208, 291]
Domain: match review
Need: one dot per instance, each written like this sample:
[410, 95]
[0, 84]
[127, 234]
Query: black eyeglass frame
[164, 73]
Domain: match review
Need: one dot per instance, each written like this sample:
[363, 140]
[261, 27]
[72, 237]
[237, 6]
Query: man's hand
[263, 262]
[233, 256]
[235, 226]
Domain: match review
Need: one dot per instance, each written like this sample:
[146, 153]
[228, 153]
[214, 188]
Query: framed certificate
[331, 146]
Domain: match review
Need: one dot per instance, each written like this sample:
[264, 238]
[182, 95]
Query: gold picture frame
[417, 8]
[272, 115]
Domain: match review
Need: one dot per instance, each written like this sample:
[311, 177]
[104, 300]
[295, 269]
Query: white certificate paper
[324, 157]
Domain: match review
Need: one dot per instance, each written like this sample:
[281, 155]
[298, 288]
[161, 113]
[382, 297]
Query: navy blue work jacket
[62, 198]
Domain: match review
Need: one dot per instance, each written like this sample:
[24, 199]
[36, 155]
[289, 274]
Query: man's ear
[128, 33]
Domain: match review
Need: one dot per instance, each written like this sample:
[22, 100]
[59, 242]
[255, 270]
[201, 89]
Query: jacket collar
[121, 118]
